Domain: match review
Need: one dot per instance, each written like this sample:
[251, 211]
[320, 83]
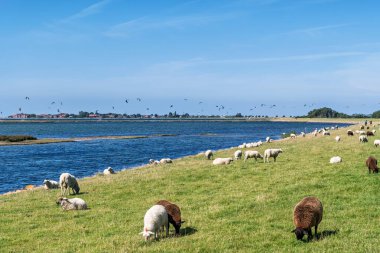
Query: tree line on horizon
[326, 112]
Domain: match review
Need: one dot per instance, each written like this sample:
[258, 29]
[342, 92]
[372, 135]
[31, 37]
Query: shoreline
[37, 187]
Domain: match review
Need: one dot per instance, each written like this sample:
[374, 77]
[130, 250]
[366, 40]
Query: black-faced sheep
[371, 163]
[376, 143]
[350, 133]
[67, 181]
[174, 214]
[209, 154]
[155, 218]
[363, 138]
[307, 214]
[108, 171]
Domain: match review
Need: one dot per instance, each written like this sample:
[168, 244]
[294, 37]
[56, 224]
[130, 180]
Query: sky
[256, 57]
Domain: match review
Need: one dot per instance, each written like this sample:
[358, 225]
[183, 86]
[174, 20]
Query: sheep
[252, 154]
[369, 133]
[307, 213]
[50, 184]
[242, 145]
[108, 171]
[326, 133]
[350, 133]
[209, 154]
[174, 214]
[293, 136]
[238, 154]
[221, 161]
[67, 180]
[362, 127]
[337, 138]
[271, 152]
[72, 204]
[155, 218]
[363, 138]
[336, 159]
[166, 160]
[259, 143]
[267, 139]
[371, 163]
[303, 134]
[153, 162]
[374, 131]
[362, 132]
[376, 143]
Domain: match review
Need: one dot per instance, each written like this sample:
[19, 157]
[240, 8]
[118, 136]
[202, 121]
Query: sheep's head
[59, 200]
[146, 234]
[76, 188]
[45, 181]
[300, 232]
[280, 150]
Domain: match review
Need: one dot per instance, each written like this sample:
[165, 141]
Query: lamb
[363, 138]
[371, 163]
[67, 180]
[293, 136]
[166, 160]
[307, 214]
[350, 133]
[72, 204]
[336, 159]
[209, 154]
[238, 154]
[337, 138]
[221, 161]
[155, 218]
[376, 143]
[108, 171]
[252, 154]
[174, 214]
[50, 184]
[370, 133]
[271, 152]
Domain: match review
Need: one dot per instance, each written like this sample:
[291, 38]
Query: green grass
[242, 207]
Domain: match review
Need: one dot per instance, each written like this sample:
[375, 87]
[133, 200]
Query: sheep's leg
[274, 158]
[309, 234]
[167, 229]
[315, 232]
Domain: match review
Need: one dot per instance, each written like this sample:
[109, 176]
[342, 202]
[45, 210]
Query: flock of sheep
[307, 213]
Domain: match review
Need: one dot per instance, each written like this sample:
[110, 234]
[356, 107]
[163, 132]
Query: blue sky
[246, 55]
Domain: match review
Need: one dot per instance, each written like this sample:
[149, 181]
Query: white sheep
[271, 152]
[209, 154]
[293, 136]
[50, 184]
[374, 131]
[155, 218]
[153, 162]
[303, 134]
[363, 138]
[326, 133]
[336, 159]
[72, 204]
[108, 171]
[166, 160]
[67, 180]
[252, 154]
[259, 143]
[337, 138]
[362, 132]
[238, 154]
[221, 161]
[242, 145]
[376, 143]
[267, 139]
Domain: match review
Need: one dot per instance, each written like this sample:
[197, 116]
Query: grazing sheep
[50, 184]
[238, 154]
[209, 154]
[370, 133]
[371, 163]
[174, 214]
[293, 136]
[221, 161]
[166, 160]
[72, 204]
[326, 133]
[303, 134]
[337, 138]
[374, 131]
[350, 133]
[336, 159]
[252, 154]
[155, 218]
[108, 171]
[271, 152]
[267, 139]
[307, 213]
[67, 180]
[363, 138]
[376, 143]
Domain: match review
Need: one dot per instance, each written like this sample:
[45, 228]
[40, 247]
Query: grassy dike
[242, 207]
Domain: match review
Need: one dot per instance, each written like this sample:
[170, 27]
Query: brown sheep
[370, 133]
[350, 133]
[372, 165]
[174, 214]
[307, 214]
[362, 127]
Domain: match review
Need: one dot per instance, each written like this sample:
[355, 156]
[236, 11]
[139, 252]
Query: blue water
[31, 164]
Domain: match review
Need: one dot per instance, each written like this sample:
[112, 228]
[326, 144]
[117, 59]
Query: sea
[23, 165]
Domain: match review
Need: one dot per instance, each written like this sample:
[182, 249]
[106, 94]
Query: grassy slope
[242, 207]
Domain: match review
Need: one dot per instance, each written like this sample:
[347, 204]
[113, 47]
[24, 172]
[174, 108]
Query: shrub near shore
[241, 207]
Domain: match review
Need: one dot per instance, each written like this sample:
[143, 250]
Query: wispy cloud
[145, 23]
[88, 11]
[312, 31]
